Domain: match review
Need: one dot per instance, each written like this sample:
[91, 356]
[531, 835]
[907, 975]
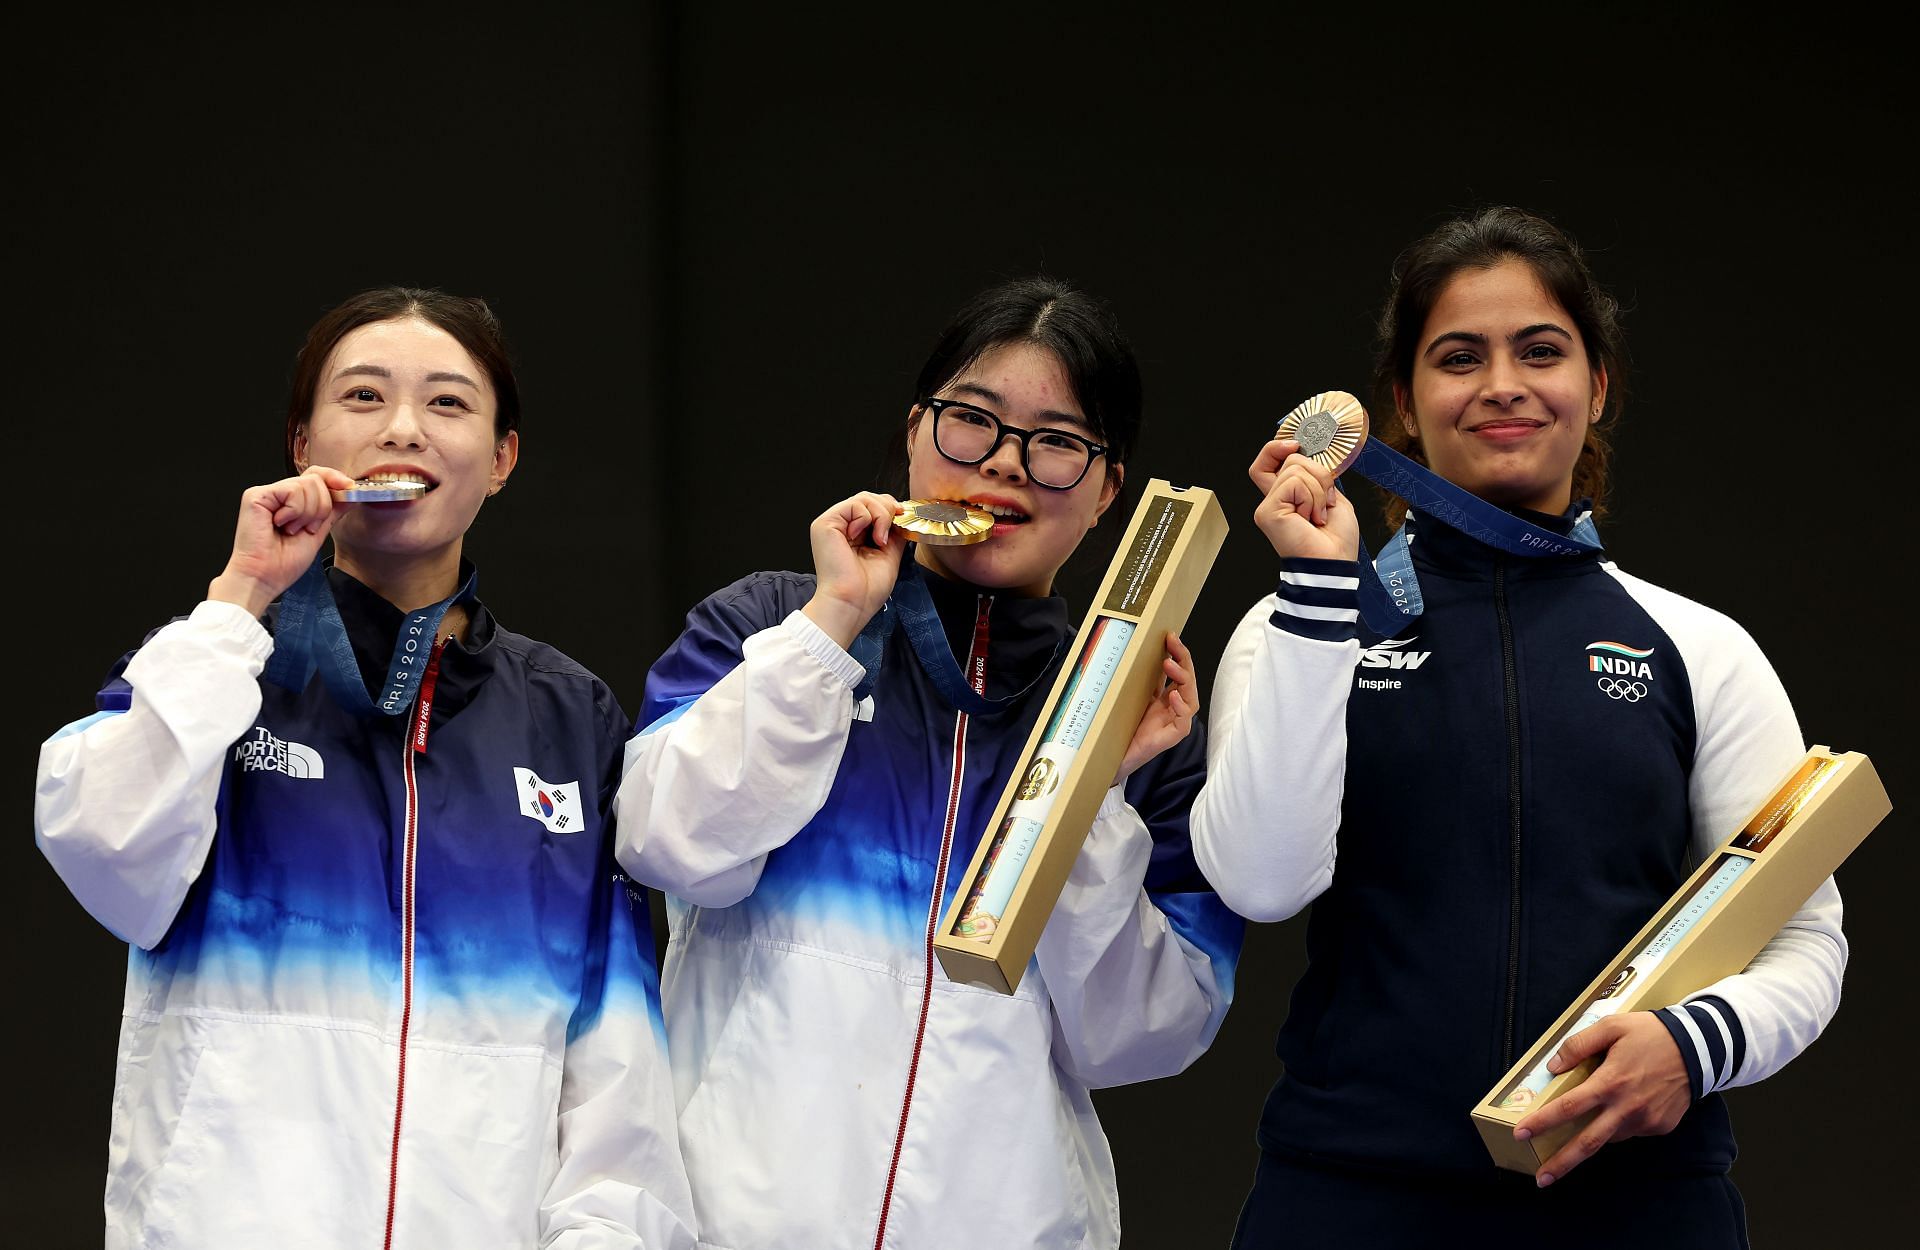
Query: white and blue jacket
[387, 985]
[1483, 810]
[835, 1088]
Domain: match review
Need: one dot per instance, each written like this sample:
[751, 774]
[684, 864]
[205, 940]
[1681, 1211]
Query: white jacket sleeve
[1137, 992]
[123, 805]
[1746, 1027]
[1265, 824]
[620, 1183]
[739, 768]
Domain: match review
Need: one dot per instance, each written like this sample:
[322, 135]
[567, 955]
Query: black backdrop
[687, 209]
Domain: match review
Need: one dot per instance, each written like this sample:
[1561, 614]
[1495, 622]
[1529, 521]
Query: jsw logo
[1619, 666]
[1387, 655]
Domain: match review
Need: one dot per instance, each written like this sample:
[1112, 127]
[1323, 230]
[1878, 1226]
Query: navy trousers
[1300, 1206]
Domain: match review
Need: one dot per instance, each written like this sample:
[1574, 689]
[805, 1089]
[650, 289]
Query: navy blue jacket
[1529, 774]
[386, 978]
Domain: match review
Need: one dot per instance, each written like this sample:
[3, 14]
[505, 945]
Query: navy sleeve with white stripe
[1319, 599]
[1710, 1039]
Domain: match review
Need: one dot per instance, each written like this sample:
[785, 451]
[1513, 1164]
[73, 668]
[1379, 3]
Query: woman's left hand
[1170, 717]
[1640, 1089]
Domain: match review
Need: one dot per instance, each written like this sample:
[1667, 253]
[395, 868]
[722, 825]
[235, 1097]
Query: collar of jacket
[373, 623]
[1440, 549]
[1021, 632]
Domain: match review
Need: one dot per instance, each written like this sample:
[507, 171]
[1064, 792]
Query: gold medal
[943, 523]
[1330, 428]
[368, 491]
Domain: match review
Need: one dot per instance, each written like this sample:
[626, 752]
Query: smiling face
[403, 399]
[1503, 389]
[1035, 529]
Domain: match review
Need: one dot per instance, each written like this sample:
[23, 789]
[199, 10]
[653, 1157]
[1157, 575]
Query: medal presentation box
[1711, 928]
[994, 923]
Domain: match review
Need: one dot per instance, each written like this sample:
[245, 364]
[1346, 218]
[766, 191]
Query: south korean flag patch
[557, 806]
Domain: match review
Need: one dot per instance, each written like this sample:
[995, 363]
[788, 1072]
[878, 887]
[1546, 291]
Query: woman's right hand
[280, 530]
[1301, 513]
[856, 556]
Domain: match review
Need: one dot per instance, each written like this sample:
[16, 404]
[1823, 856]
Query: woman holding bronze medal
[386, 984]
[1486, 802]
[814, 771]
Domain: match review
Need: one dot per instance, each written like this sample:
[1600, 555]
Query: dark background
[697, 219]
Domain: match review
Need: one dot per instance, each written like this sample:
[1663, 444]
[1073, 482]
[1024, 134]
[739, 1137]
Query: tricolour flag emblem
[557, 806]
[1618, 659]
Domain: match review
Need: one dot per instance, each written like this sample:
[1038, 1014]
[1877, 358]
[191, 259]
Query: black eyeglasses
[1055, 459]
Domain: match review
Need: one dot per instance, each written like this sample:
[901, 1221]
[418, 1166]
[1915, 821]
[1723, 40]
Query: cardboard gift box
[1711, 928]
[994, 923]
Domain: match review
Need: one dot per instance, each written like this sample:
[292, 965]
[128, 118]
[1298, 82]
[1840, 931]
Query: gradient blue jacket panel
[522, 923]
[868, 858]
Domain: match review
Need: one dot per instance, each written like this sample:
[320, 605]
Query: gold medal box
[991, 929]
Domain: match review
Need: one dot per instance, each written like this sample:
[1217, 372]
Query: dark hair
[470, 322]
[1078, 329]
[1482, 240]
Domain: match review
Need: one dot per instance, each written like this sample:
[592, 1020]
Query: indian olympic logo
[1624, 671]
[1619, 659]
[1617, 688]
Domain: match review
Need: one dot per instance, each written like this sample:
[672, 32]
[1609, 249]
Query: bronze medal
[1330, 428]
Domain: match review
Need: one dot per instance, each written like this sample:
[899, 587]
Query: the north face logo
[265, 753]
[555, 806]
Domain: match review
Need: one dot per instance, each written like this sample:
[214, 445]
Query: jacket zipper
[977, 678]
[1512, 677]
[414, 744]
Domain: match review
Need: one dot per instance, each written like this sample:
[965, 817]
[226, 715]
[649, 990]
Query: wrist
[1318, 599]
[838, 620]
[238, 588]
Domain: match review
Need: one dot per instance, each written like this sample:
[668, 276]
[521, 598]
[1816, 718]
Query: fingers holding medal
[1301, 512]
[281, 528]
[856, 552]
[856, 556]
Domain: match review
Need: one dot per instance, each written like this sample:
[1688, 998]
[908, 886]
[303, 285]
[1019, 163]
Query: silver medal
[381, 492]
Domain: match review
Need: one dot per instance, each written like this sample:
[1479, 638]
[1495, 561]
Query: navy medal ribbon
[911, 604]
[1389, 591]
[309, 634]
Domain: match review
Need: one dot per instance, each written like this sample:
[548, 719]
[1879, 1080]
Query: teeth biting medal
[372, 490]
[1330, 428]
[944, 523]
